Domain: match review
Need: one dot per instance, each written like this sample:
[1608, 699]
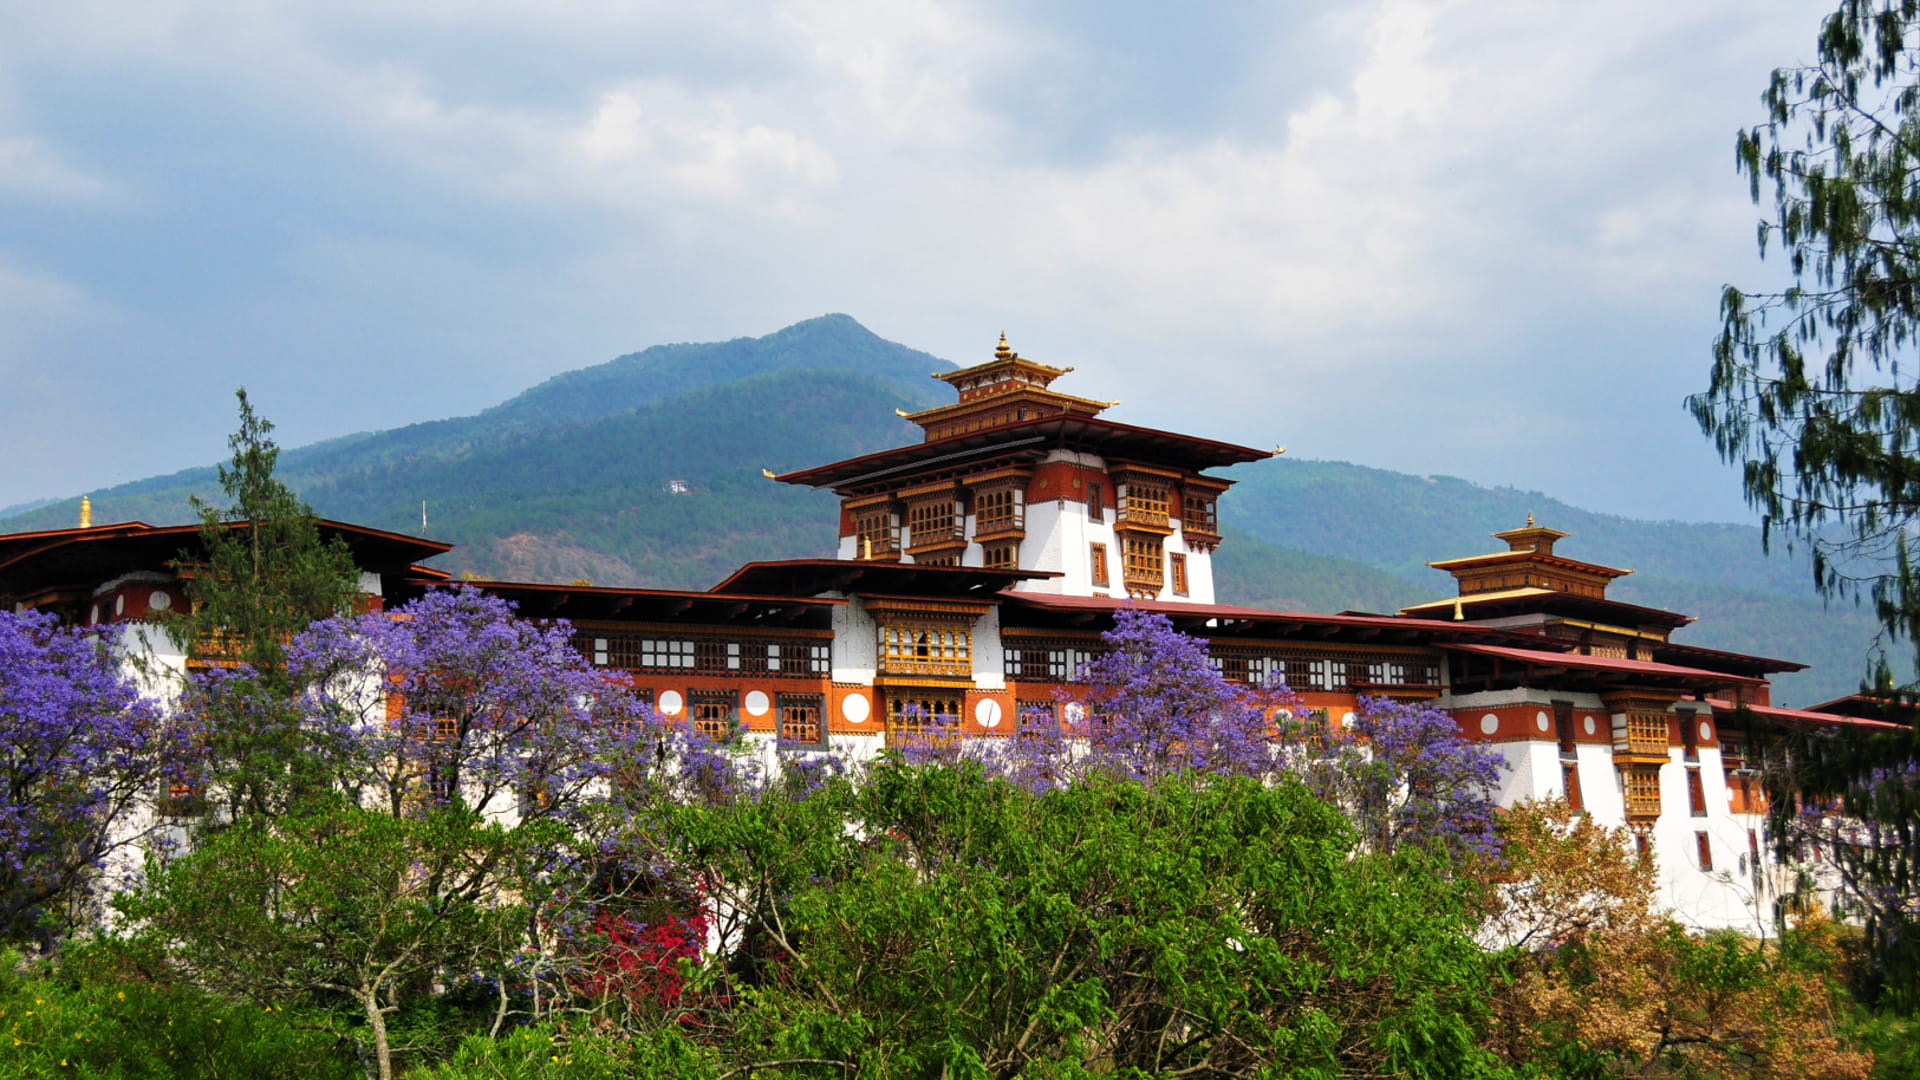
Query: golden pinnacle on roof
[1529, 519]
[86, 512]
[1002, 352]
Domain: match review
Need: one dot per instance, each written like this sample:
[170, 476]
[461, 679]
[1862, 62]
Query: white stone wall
[989, 656]
[856, 645]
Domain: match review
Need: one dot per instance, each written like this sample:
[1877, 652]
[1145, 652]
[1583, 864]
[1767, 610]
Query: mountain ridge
[574, 478]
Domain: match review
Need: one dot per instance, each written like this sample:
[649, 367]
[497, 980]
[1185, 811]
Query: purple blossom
[81, 753]
[453, 699]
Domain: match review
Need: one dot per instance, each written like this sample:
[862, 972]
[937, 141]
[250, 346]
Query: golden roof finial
[1529, 519]
[1002, 352]
[1458, 615]
[86, 512]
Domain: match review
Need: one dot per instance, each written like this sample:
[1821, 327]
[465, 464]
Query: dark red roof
[578, 603]
[1611, 664]
[811, 577]
[1032, 437]
[1804, 716]
[1261, 620]
[89, 556]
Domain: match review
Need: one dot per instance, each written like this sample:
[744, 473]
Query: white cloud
[1481, 171]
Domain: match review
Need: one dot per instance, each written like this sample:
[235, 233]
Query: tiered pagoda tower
[1015, 475]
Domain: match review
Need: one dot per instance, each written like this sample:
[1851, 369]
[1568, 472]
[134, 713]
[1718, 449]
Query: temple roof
[1228, 619]
[1027, 440]
[86, 557]
[593, 603]
[1631, 670]
[1534, 599]
[811, 577]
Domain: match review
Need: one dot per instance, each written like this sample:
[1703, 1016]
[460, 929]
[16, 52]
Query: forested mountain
[646, 470]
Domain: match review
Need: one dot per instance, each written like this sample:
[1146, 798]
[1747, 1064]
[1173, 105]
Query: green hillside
[571, 480]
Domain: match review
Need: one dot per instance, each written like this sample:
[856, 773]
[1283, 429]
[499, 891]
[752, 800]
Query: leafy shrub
[78, 1019]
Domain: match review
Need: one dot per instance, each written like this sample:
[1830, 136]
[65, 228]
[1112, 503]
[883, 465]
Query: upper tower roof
[1006, 389]
[1529, 578]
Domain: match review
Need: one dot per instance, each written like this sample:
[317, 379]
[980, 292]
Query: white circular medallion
[756, 703]
[987, 711]
[1489, 724]
[855, 709]
[1706, 730]
[1347, 720]
[1540, 721]
[1074, 712]
[93, 616]
[669, 703]
[159, 601]
[120, 604]
[1589, 725]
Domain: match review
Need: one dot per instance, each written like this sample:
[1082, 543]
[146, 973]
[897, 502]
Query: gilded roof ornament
[1002, 352]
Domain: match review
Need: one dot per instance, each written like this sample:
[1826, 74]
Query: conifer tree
[264, 571]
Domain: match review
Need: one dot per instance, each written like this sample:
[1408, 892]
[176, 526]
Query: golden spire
[1458, 615]
[1529, 519]
[86, 512]
[1002, 352]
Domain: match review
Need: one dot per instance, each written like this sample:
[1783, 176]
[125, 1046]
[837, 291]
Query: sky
[1483, 239]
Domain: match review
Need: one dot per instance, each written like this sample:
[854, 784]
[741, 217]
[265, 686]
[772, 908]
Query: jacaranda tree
[82, 757]
[450, 842]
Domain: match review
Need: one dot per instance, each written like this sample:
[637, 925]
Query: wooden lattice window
[1703, 850]
[922, 718]
[1177, 566]
[932, 521]
[713, 655]
[1646, 733]
[1096, 503]
[1000, 556]
[713, 714]
[926, 650]
[1570, 783]
[1643, 791]
[995, 510]
[1145, 566]
[1198, 514]
[876, 533]
[1696, 794]
[800, 719]
[1098, 557]
[1145, 504]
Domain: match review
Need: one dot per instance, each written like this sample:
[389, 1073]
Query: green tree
[342, 907]
[264, 570]
[1192, 927]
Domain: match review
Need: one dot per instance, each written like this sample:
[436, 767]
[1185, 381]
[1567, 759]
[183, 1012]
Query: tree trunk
[377, 1023]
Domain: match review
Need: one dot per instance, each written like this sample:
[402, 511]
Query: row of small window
[716, 715]
[1327, 674]
[684, 654]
